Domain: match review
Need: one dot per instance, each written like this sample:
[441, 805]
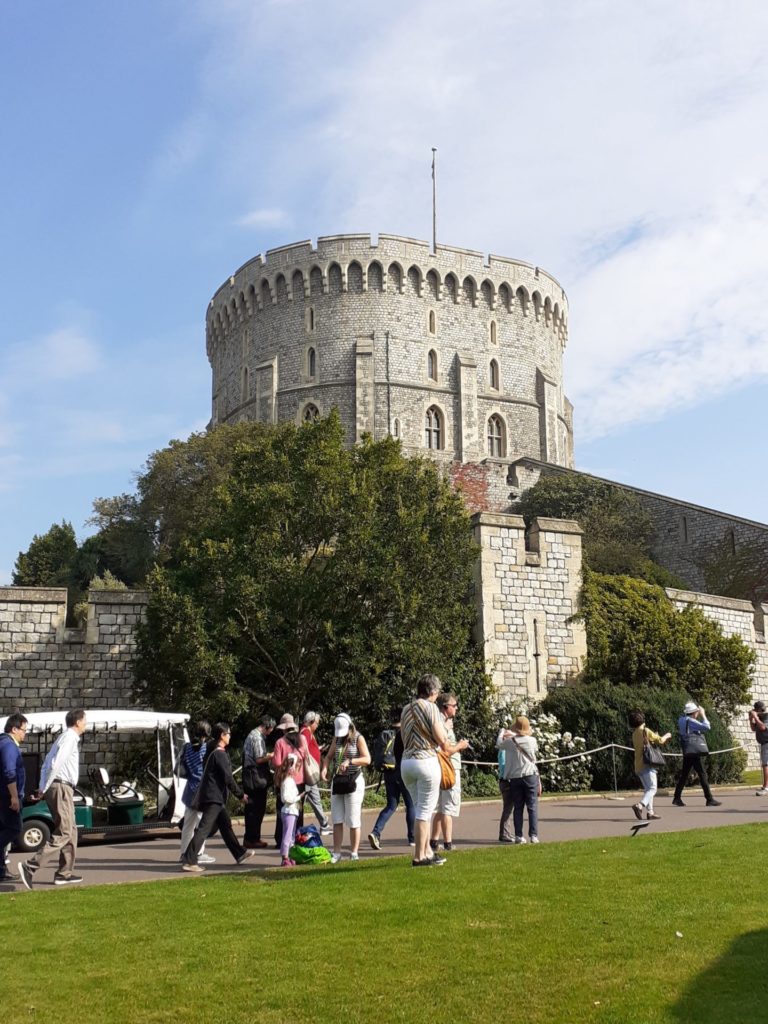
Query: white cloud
[65, 353]
[268, 217]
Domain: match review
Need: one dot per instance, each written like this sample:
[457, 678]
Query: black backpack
[384, 751]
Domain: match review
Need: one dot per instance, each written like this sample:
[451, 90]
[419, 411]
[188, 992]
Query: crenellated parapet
[394, 264]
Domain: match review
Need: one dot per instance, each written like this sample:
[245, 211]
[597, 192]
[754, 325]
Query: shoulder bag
[311, 770]
[694, 742]
[652, 755]
[447, 770]
[344, 782]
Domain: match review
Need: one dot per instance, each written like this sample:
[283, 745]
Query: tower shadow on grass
[730, 989]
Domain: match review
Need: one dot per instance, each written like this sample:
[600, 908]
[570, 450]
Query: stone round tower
[450, 352]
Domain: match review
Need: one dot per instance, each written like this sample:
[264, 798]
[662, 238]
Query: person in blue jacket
[12, 779]
[692, 721]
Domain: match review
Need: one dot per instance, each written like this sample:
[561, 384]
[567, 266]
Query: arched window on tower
[493, 333]
[432, 322]
[432, 365]
[493, 375]
[497, 445]
[310, 413]
[396, 429]
[311, 363]
[433, 429]
[244, 396]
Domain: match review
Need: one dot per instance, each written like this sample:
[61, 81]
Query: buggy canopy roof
[105, 720]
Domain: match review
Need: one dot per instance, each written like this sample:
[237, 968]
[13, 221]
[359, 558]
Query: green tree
[635, 636]
[48, 560]
[301, 572]
[617, 529]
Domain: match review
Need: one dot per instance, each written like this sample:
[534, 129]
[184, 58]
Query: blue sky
[151, 148]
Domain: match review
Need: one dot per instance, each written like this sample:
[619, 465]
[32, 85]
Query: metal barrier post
[613, 758]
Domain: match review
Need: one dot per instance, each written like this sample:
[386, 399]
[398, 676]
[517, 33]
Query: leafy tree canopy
[635, 636]
[617, 529]
[295, 572]
[48, 560]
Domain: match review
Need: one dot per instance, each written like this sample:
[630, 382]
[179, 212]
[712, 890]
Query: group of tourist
[418, 755]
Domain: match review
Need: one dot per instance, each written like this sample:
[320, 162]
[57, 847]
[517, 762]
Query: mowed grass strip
[563, 932]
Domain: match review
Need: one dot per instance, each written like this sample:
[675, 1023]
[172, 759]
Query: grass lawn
[563, 932]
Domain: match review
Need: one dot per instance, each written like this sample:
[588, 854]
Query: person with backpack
[211, 799]
[386, 758]
[190, 768]
[758, 723]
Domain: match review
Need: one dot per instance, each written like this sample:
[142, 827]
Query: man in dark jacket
[215, 786]
[12, 779]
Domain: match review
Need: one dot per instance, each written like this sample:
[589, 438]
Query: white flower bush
[571, 776]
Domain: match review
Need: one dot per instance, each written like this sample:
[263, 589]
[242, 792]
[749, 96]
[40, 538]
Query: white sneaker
[335, 858]
[206, 858]
[762, 791]
[354, 856]
[534, 839]
[327, 831]
[520, 840]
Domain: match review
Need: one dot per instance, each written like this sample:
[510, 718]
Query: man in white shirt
[58, 779]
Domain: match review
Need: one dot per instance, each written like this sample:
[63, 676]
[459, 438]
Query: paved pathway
[563, 818]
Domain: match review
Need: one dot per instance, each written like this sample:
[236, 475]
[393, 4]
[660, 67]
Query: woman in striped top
[421, 727]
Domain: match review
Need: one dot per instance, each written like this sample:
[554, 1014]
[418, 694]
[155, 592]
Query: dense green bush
[479, 782]
[636, 636]
[599, 712]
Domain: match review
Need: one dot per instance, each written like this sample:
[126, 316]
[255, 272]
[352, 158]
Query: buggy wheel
[34, 833]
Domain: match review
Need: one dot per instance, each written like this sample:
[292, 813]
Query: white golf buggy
[112, 810]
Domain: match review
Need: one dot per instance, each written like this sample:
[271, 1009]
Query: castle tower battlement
[449, 351]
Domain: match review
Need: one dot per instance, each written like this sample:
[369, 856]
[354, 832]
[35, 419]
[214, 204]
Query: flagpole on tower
[434, 203]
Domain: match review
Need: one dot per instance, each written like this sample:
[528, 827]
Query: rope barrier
[594, 750]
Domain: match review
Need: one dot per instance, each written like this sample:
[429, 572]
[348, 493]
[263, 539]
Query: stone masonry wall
[737, 618]
[45, 666]
[526, 600]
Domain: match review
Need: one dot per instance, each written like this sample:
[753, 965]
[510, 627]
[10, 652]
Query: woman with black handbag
[348, 753]
[692, 725]
[648, 760]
